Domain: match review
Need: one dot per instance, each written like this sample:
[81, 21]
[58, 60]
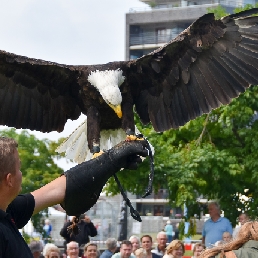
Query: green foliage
[246, 7]
[37, 165]
[219, 11]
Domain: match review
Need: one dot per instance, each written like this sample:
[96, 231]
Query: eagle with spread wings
[208, 64]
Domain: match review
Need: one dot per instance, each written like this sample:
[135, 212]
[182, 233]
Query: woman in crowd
[135, 242]
[198, 248]
[90, 251]
[175, 249]
[52, 252]
[140, 253]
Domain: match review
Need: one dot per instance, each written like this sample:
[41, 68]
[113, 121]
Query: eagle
[207, 65]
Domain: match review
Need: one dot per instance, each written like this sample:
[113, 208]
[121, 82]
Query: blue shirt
[106, 254]
[213, 231]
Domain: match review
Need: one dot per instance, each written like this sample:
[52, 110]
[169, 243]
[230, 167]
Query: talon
[97, 154]
[131, 137]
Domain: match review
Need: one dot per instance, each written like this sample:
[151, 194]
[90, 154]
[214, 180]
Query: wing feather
[47, 87]
[207, 65]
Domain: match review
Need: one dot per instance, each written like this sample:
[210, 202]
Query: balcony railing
[153, 38]
[229, 3]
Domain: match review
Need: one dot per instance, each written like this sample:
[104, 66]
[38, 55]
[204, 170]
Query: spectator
[125, 250]
[86, 229]
[169, 231]
[176, 230]
[162, 243]
[36, 248]
[242, 218]
[46, 247]
[226, 237]
[73, 250]
[47, 230]
[146, 242]
[111, 244]
[52, 252]
[215, 226]
[135, 242]
[175, 249]
[198, 248]
[90, 250]
[140, 253]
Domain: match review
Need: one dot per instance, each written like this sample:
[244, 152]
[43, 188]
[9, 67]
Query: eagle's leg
[128, 122]
[93, 132]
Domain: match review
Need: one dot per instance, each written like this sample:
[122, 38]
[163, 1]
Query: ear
[9, 180]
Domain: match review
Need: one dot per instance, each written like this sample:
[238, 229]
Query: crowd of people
[217, 232]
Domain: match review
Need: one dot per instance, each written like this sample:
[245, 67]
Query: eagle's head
[107, 83]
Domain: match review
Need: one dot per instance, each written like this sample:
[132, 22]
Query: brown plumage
[207, 65]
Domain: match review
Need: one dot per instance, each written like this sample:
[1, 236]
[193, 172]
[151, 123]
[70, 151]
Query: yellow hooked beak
[117, 110]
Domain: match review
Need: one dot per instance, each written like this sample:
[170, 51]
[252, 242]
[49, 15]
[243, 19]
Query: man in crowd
[85, 229]
[126, 249]
[146, 242]
[111, 244]
[77, 190]
[36, 248]
[162, 243]
[214, 227]
[73, 250]
[242, 218]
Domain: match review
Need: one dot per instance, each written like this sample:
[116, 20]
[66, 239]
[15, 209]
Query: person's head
[162, 240]
[126, 249]
[90, 250]
[176, 248]
[36, 248]
[47, 221]
[10, 165]
[198, 248]
[52, 252]
[214, 209]
[111, 244]
[135, 242]
[46, 247]
[140, 253]
[243, 218]
[146, 242]
[168, 222]
[73, 249]
[226, 237]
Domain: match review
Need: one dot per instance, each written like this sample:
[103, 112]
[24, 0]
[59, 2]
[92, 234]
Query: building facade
[162, 20]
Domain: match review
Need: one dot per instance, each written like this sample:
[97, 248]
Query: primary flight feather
[205, 66]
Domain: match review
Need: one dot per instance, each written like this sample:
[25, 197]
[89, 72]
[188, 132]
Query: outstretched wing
[207, 65]
[36, 94]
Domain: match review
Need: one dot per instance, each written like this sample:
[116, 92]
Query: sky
[73, 32]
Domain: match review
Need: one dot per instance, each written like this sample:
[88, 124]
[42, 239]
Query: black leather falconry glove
[85, 181]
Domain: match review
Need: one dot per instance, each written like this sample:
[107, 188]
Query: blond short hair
[174, 245]
[7, 159]
[52, 249]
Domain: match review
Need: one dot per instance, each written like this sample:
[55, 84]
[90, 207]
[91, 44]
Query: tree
[37, 164]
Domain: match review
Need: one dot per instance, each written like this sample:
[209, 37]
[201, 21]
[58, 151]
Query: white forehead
[107, 83]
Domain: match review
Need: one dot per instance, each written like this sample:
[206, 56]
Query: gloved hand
[85, 181]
